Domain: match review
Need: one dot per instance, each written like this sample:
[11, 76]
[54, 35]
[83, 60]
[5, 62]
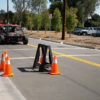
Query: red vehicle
[12, 33]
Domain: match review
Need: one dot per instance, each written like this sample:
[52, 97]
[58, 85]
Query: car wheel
[84, 34]
[79, 33]
[25, 40]
[2, 39]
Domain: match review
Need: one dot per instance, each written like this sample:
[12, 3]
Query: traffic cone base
[57, 73]
[54, 68]
[54, 71]
[7, 71]
[8, 74]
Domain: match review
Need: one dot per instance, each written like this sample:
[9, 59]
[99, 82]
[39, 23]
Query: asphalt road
[79, 67]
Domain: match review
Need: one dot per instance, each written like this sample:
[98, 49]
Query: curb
[90, 47]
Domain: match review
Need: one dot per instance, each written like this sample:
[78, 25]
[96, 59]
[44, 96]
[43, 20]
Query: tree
[15, 19]
[55, 5]
[28, 20]
[71, 19]
[37, 6]
[20, 6]
[96, 17]
[56, 20]
[45, 20]
[63, 13]
[2, 15]
[85, 8]
[37, 21]
[93, 22]
[11, 15]
[54, 0]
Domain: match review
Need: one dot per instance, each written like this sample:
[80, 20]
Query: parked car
[93, 31]
[88, 31]
[77, 31]
[12, 34]
[97, 33]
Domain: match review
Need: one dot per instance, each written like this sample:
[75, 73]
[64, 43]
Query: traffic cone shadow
[7, 71]
[54, 68]
[2, 64]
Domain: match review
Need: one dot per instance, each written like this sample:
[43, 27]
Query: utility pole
[7, 14]
[64, 20]
[7, 11]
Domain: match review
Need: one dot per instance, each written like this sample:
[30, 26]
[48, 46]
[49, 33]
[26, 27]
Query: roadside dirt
[69, 38]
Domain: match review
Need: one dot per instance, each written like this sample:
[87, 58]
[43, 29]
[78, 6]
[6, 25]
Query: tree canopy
[37, 6]
[55, 5]
[56, 20]
[34, 13]
[85, 7]
[71, 19]
[45, 20]
[94, 21]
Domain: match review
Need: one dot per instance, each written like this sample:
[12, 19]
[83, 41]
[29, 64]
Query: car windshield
[12, 28]
[19, 30]
[78, 28]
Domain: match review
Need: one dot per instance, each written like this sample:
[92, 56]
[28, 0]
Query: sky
[3, 5]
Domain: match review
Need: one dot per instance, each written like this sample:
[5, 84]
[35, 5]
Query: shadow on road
[30, 69]
[27, 69]
[11, 44]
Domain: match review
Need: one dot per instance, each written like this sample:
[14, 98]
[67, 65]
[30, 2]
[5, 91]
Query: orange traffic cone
[54, 68]
[41, 57]
[2, 65]
[5, 54]
[7, 71]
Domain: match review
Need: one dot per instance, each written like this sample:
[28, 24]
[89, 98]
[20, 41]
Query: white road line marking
[85, 55]
[16, 49]
[22, 58]
[81, 55]
[68, 48]
[19, 58]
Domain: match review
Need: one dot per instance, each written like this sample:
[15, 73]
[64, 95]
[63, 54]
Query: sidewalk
[8, 90]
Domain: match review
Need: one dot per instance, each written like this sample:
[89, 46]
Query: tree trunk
[45, 30]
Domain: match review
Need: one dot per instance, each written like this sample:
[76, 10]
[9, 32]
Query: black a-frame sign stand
[44, 49]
